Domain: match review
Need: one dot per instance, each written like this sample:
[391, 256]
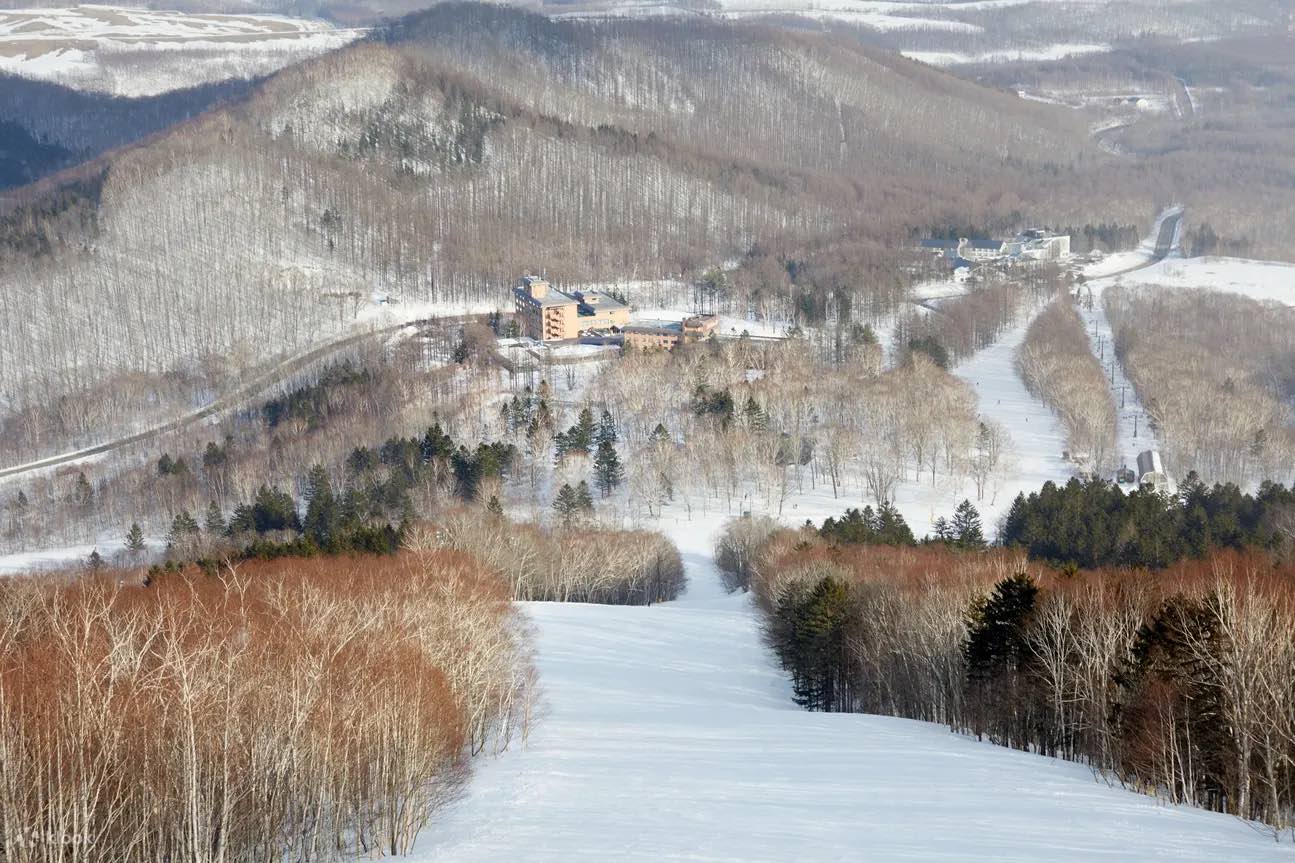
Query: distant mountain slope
[471, 143]
[48, 126]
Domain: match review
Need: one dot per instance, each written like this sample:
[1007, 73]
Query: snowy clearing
[670, 734]
[1259, 280]
[139, 52]
[71, 557]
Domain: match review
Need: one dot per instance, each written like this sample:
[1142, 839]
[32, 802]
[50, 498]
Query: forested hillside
[46, 126]
[441, 158]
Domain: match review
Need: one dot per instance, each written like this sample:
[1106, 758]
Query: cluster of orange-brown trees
[1178, 682]
[304, 709]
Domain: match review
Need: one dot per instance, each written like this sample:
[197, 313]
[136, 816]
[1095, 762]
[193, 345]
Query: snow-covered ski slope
[669, 734]
[1038, 438]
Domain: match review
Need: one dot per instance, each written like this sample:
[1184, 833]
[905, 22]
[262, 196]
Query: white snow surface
[1038, 438]
[1259, 280]
[669, 734]
[141, 52]
[70, 557]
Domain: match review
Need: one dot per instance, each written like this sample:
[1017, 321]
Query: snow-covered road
[670, 735]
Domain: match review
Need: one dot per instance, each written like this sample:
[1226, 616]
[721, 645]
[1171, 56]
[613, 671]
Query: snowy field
[669, 734]
[72, 557]
[138, 52]
[1259, 280]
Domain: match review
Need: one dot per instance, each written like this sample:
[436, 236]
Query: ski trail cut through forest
[668, 733]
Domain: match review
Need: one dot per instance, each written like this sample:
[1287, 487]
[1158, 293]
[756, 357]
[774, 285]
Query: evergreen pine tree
[83, 494]
[606, 429]
[213, 457]
[660, 434]
[565, 502]
[543, 415]
[214, 522]
[242, 521]
[321, 506]
[943, 530]
[996, 627]
[494, 507]
[1259, 446]
[1014, 529]
[891, 527]
[608, 472]
[94, 561]
[184, 527]
[274, 510]
[818, 638]
[754, 416]
[966, 527]
[135, 538]
[580, 437]
[584, 500]
[436, 444]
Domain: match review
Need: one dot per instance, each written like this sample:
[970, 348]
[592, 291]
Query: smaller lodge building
[666, 335]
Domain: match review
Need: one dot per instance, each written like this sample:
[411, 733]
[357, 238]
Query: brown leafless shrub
[588, 564]
[738, 550]
[304, 709]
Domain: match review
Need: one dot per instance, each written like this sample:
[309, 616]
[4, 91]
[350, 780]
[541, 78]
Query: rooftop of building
[655, 326]
[589, 299]
[588, 303]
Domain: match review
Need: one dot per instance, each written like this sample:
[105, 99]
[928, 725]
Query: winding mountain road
[256, 385]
